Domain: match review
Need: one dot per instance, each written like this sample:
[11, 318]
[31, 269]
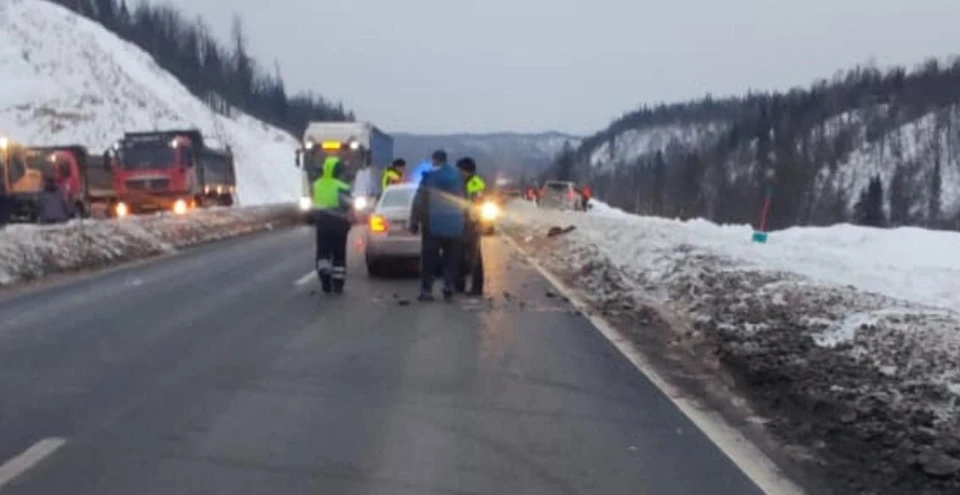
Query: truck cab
[169, 171]
[21, 183]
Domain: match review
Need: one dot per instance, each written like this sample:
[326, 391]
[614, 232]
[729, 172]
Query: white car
[387, 236]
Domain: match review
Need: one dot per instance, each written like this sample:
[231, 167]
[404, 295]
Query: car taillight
[378, 223]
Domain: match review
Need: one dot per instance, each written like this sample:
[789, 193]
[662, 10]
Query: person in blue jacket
[438, 210]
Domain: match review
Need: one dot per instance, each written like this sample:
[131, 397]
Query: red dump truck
[171, 170]
[84, 178]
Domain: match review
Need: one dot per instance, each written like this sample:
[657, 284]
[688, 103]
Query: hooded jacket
[329, 192]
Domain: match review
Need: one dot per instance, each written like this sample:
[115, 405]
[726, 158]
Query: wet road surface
[224, 370]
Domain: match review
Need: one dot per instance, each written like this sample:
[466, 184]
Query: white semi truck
[364, 149]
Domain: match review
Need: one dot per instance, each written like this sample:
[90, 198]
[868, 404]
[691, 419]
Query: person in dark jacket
[52, 203]
[438, 209]
[473, 231]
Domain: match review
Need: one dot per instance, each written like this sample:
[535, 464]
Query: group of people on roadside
[442, 214]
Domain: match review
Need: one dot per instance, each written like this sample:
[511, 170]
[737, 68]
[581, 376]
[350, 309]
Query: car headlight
[305, 204]
[360, 203]
[179, 207]
[122, 210]
[489, 211]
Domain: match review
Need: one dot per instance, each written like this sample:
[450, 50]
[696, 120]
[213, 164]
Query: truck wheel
[226, 200]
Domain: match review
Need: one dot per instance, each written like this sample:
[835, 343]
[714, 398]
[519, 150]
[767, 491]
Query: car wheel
[374, 267]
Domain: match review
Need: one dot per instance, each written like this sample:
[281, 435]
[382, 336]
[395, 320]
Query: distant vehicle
[86, 181]
[171, 170]
[387, 236]
[23, 170]
[364, 149]
[560, 195]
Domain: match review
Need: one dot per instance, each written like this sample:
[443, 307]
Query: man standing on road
[52, 204]
[331, 203]
[473, 233]
[438, 209]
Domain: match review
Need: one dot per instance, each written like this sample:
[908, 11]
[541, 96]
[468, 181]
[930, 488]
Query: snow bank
[28, 252]
[68, 80]
[851, 334]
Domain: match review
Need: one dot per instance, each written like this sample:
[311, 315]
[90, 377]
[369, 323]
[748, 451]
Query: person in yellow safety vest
[332, 204]
[393, 174]
[473, 234]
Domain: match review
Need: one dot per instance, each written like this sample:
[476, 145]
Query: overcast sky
[534, 65]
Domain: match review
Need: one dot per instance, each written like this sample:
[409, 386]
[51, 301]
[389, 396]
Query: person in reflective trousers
[393, 174]
[473, 231]
[331, 204]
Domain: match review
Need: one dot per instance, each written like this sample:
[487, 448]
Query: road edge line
[29, 458]
[749, 458]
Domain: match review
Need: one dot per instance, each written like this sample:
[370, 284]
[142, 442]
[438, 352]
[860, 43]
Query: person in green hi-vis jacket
[332, 206]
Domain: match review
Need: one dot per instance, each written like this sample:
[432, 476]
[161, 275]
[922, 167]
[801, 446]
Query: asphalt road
[215, 372]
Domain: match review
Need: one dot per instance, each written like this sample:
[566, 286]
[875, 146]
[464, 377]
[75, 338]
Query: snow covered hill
[625, 148]
[65, 79]
[511, 152]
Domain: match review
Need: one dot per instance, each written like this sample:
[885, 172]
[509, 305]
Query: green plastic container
[760, 237]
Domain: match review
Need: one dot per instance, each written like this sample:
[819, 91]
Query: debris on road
[555, 231]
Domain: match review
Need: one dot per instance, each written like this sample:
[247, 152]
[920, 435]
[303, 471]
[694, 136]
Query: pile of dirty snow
[851, 333]
[29, 252]
[67, 80]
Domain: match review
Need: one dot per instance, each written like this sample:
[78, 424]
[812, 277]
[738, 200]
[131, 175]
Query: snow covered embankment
[29, 252]
[847, 337]
[66, 79]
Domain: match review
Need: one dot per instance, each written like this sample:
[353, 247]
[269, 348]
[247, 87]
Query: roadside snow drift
[29, 252]
[848, 336]
[68, 80]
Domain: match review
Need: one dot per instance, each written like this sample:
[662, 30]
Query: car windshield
[397, 198]
[144, 157]
[558, 186]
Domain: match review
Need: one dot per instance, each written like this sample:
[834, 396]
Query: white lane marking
[305, 279]
[747, 456]
[29, 458]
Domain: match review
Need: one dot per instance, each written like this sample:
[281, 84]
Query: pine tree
[899, 197]
[933, 206]
[869, 208]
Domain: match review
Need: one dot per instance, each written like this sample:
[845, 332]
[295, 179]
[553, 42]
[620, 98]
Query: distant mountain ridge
[513, 153]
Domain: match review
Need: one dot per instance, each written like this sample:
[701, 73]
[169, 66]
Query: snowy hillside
[911, 151]
[68, 80]
[625, 148]
[510, 152]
